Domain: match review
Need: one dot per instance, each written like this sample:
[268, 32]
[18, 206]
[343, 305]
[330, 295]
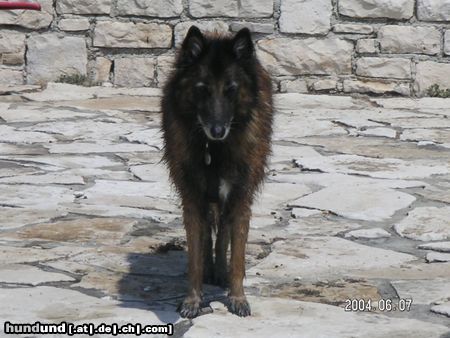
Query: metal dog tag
[207, 155]
[207, 158]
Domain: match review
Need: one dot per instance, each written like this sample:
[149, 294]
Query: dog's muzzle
[215, 132]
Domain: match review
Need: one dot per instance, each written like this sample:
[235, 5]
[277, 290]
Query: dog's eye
[201, 89]
[231, 89]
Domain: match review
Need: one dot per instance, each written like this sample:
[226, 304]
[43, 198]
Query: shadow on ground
[157, 281]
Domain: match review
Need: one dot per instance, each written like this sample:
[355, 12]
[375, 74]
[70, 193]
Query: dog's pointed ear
[193, 44]
[243, 47]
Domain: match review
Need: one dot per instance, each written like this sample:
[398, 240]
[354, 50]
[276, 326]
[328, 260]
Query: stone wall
[337, 46]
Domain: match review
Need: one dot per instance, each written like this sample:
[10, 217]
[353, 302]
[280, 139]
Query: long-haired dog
[217, 126]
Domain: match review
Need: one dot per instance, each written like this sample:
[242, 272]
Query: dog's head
[219, 79]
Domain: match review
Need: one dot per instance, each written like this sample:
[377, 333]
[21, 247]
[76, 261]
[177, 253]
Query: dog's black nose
[218, 132]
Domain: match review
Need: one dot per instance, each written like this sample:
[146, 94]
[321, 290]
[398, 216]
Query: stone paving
[356, 206]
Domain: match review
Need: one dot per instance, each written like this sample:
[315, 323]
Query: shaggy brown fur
[217, 125]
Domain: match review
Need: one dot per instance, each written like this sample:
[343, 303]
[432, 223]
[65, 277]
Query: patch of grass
[309, 292]
[76, 79]
[436, 91]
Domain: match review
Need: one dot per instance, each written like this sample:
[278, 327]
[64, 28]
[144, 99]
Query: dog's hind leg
[221, 248]
[195, 223]
[208, 263]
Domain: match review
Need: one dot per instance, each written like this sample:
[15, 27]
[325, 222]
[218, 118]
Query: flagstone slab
[370, 203]
[30, 275]
[426, 224]
[314, 257]
[423, 291]
[273, 317]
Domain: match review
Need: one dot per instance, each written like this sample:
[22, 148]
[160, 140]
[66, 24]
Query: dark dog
[217, 125]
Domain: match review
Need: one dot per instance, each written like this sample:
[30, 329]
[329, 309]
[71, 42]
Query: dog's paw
[239, 306]
[190, 308]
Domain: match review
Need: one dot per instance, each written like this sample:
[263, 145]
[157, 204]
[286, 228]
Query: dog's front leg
[194, 223]
[240, 218]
